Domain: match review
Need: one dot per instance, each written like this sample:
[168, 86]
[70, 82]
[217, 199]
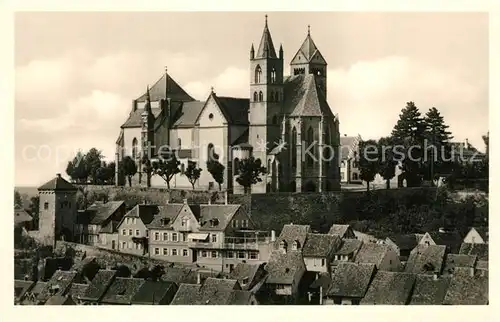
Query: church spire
[147, 106]
[266, 47]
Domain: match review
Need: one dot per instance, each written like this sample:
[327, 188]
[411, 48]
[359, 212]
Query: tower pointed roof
[266, 47]
[147, 106]
[308, 51]
[57, 184]
[165, 87]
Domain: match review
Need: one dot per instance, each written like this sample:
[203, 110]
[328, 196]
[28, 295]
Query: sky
[76, 73]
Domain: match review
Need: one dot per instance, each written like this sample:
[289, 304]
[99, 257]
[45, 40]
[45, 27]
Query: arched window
[261, 96]
[273, 75]
[236, 166]
[255, 96]
[179, 143]
[258, 74]
[293, 149]
[295, 245]
[134, 149]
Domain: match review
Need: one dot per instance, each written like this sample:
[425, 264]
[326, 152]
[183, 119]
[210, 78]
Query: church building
[286, 123]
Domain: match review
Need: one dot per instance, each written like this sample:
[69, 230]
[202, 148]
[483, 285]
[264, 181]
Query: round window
[211, 116]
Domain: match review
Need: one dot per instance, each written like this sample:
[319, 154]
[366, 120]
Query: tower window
[255, 96]
[46, 206]
[261, 96]
[273, 75]
[258, 74]
[134, 148]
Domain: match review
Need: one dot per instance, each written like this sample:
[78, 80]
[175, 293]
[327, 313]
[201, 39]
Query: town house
[318, 251]
[349, 283]
[97, 221]
[382, 256]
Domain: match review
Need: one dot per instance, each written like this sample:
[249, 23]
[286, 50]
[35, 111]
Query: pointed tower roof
[266, 47]
[57, 184]
[166, 86]
[147, 106]
[308, 51]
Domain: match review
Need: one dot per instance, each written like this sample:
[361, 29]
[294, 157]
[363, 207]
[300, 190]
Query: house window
[46, 206]
[165, 236]
[230, 254]
[137, 233]
[185, 252]
[235, 223]
[241, 255]
[253, 255]
[157, 236]
[134, 148]
[322, 262]
[214, 238]
[244, 281]
[184, 222]
[214, 254]
[165, 251]
[174, 252]
[280, 286]
[126, 220]
[124, 232]
[244, 223]
[174, 237]
[130, 232]
[157, 251]
[124, 245]
[203, 253]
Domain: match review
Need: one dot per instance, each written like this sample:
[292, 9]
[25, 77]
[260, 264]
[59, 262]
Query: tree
[93, 163]
[106, 173]
[250, 170]
[77, 169]
[128, 168]
[439, 137]
[18, 200]
[387, 163]
[368, 161]
[34, 209]
[409, 134]
[192, 172]
[167, 168]
[216, 169]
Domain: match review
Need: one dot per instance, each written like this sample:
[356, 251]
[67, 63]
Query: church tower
[266, 98]
[309, 60]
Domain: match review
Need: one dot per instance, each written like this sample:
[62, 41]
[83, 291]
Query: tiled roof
[351, 280]
[77, 290]
[303, 98]
[100, 283]
[166, 86]
[244, 271]
[482, 265]
[389, 288]
[61, 280]
[467, 290]
[234, 109]
[240, 297]
[58, 300]
[429, 291]
[101, 211]
[145, 212]
[308, 50]
[266, 46]
[152, 292]
[481, 250]
[21, 287]
[339, 230]
[349, 145]
[455, 260]
[282, 267]
[165, 217]
[186, 294]
[324, 280]
[371, 253]
[188, 113]
[135, 118]
[216, 217]
[320, 245]
[213, 291]
[21, 215]
[122, 290]
[348, 246]
[58, 183]
[426, 259]
[451, 240]
[291, 233]
[178, 275]
[404, 242]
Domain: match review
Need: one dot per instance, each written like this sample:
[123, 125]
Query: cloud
[232, 81]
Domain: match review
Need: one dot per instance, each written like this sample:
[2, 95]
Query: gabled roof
[235, 109]
[186, 294]
[77, 290]
[58, 184]
[389, 288]
[21, 215]
[351, 280]
[339, 230]
[452, 240]
[166, 86]
[145, 212]
[178, 275]
[61, 280]
[240, 297]
[214, 291]
[291, 233]
[216, 217]
[99, 212]
[320, 245]
[429, 291]
[266, 46]
[152, 292]
[483, 232]
[348, 246]
[122, 290]
[371, 253]
[405, 242]
[21, 287]
[307, 52]
[426, 259]
[304, 98]
[467, 290]
[282, 267]
[454, 260]
[187, 114]
[100, 283]
[166, 216]
[481, 250]
[245, 271]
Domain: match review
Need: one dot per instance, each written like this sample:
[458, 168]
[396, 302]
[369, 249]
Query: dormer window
[295, 245]
[214, 222]
[283, 246]
[184, 222]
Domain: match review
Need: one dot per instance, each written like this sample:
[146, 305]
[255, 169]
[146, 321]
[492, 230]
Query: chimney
[58, 175]
[291, 223]
[273, 236]
[225, 197]
[198, 278]
[471, 271]
[466, 143]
